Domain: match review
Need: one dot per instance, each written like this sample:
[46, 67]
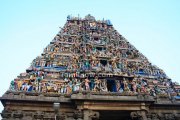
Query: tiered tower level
[89, 60]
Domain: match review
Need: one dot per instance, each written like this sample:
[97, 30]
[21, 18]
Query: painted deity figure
[78, 84]
[24, 86]
[138, 86]
[12, 86]
[19, 84]
[103, 85]
[69, 90]
[134, 85]
[143, 90]
[62, 88]
[118, 85]
[56, 49]
[148, 90]
[92, 83]
[29, 86]
[75, 86]
[65, 88]
[126, 88]
[48, 87]
[55, 88]
[44, 87]
[87, 84]
[114, 64]
[97, 84]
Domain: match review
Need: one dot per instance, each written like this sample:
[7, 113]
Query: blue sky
[26, 27]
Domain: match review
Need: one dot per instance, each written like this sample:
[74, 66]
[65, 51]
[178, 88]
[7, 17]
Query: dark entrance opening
[99, 48]
[103, 62]
[96, 38]
[141, 71]
[111, 86]
[115, 115]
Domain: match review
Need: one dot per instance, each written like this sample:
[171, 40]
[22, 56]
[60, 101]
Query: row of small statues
[98, 65]
[69, 85]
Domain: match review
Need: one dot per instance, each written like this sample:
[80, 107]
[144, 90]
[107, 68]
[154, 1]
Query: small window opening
[103, 62]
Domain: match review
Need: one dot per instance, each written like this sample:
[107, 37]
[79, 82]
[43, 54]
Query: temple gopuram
[89, 71]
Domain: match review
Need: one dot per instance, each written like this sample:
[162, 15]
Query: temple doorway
[115, 115]
[111, 86]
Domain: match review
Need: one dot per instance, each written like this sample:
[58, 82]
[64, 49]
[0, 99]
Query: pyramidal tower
[89, 71]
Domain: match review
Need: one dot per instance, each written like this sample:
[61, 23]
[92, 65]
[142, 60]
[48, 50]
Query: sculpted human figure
[143, 89]
[118, 85]
[44, 87]
[134, 85]
[62, 88]
[12, 86]
[55, 86]
[68, 88]
[92, 81]
[103, 85]
[126, 88]
[87, 84]
[97, 84]
[65, 88]
[19, 84]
